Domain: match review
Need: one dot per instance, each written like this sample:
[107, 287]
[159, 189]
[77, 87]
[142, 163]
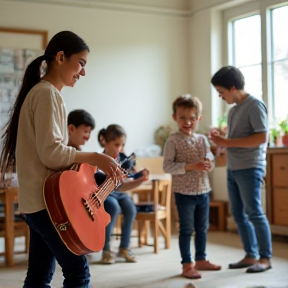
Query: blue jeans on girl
[193, 214]
[244, 188]
[45, 248]
[116, 203]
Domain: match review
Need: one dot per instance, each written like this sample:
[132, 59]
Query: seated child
[118, 202]
[80, 126]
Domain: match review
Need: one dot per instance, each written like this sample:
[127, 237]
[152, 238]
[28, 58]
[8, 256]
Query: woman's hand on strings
[103, 162]
[111, 167]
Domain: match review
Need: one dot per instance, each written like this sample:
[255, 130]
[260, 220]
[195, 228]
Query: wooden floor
[163, 270]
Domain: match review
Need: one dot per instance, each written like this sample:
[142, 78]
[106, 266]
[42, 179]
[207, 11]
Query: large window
[279, 62]
[247, 52]
[258, 46]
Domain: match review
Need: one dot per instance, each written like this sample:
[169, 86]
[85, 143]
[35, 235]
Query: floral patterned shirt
[181, 149]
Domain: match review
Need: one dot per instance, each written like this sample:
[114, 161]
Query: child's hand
[208, 163]
[215, 132]
[198, 166]
[145, 175]
[218, 139]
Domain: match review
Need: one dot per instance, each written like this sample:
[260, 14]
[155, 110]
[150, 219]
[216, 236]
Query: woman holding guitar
[36, 136]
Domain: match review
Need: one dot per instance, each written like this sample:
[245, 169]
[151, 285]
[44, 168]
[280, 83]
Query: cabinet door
[280, 170]
[280, 206]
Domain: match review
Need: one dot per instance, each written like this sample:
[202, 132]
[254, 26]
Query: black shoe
[244, 263]
[258, 267]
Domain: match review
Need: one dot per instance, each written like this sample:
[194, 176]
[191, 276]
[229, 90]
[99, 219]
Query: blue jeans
[116, 203]
[244, 189]
[193, 214]
[45, 248]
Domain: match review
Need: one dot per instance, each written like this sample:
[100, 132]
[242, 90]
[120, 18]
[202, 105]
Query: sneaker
[263, 265]
[203, 265]
[107, 257]
[127, 254]
[189, 271]
[244, 263]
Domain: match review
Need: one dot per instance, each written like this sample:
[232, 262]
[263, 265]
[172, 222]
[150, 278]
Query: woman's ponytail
[65, 41]
[31, 78]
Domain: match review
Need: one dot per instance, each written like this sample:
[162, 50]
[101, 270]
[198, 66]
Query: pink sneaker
[189, 271]
[206, 265]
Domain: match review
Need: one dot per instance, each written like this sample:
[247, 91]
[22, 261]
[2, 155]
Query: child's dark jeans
[193, 214]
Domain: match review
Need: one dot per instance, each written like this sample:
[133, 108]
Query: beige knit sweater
[41, 144]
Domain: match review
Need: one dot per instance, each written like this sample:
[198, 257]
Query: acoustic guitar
[75, 206]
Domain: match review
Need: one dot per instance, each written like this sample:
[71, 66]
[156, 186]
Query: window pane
[247, 41]
[253, 80]
[280, 89]
[279, 32]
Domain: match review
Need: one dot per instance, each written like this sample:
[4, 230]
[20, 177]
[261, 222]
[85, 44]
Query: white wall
[206, 47]
[137, 65]
[206, 56]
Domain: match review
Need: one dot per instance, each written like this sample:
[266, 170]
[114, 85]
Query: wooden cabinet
[277, 189]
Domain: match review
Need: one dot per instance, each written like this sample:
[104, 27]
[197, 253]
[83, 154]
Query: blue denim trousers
[45, 248]
[193, 214]
[244, 189]
[116, 203]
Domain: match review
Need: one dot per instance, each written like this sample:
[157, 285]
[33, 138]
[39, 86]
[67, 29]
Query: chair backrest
[159, 193]
[9, 204]
[164, 193]
[153, 164]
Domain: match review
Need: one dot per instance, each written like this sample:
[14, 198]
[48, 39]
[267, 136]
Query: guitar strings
[105, 189]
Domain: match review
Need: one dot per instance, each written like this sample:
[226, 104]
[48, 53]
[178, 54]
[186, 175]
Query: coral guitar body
[75, 206]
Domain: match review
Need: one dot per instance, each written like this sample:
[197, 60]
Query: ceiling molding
[191, 7]
[100, 4]
[201, 5]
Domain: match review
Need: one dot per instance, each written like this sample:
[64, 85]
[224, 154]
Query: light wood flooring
[163, 270]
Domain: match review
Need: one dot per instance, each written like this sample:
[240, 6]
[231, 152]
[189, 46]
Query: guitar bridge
[62, 226]
[88, 208]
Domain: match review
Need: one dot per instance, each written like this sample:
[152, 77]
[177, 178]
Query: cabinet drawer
[280, 206]
[280, 170]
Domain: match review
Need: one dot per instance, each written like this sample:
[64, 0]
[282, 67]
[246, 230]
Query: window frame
[262, 8]
[271, 61]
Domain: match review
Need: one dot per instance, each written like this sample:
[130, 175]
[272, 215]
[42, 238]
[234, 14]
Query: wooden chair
[159, 196]
[12, 225]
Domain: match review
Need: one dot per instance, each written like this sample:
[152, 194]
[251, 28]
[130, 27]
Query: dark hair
[187, 101]
[100, 136]
[228, 77]
[65, 41]
[112, 132]
[81, 117]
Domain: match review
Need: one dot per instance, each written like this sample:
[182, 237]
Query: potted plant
[275, 135]
[284, 127]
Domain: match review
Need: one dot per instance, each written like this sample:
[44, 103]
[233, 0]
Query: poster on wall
[13, 63]
[20, 48]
